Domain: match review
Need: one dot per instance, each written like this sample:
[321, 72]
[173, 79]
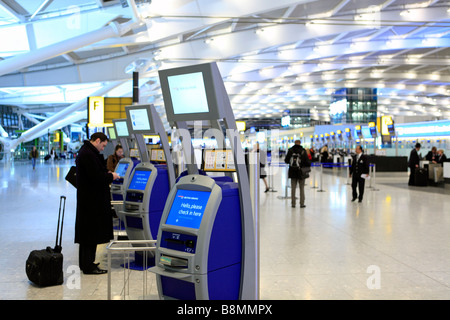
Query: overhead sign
[96, 113]
[102, 110]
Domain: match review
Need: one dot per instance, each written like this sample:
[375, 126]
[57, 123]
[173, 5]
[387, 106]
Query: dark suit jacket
[441, 159]
[360, 166]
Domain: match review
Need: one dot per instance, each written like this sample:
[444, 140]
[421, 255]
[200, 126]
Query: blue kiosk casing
[200, 241]
[143, 206]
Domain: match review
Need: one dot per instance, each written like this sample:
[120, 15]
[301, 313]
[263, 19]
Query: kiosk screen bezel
[147, 117]
[121, 134]
[209, 84]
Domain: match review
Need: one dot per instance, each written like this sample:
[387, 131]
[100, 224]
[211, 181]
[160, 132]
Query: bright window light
[14, 40]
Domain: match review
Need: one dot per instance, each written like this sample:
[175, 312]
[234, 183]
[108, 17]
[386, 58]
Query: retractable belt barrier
[372, 174]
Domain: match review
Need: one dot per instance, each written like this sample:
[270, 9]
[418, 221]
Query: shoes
[267, 190]
[360, 200]
[95, 270]
[302, 206]
[354, 199]
[293, 206]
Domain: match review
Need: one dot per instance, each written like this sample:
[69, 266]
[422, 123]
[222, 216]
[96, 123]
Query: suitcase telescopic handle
[59, 230]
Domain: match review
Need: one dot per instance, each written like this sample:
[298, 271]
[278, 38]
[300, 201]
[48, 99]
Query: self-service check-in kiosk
[149, 184]
[206, 246]
[118, 133]
[125, 165]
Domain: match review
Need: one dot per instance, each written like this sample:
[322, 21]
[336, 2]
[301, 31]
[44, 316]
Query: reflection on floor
[393, 245]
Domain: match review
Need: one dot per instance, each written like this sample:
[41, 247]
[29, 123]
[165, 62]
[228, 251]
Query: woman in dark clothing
[114, 159]
[93, 223]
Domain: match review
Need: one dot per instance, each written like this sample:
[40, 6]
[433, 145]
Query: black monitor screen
[139, 180]
[188, 208]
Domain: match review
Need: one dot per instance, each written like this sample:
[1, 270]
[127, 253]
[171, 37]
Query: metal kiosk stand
[206, 246]
[125, 166]
[149, 184]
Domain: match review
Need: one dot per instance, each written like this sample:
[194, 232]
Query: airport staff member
[413, 163]
[93, 224]
[297, 152]
[359, 170]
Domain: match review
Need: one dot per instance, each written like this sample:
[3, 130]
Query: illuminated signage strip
[423, 129]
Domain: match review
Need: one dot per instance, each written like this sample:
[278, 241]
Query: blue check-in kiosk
[206, 245]
[149, 184]
[120, 132]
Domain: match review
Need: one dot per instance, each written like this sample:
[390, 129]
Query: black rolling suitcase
[421, 177]
[45, 267]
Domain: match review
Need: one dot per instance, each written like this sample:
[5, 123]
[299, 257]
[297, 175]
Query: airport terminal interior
[211, 81]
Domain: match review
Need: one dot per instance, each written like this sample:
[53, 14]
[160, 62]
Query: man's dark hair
[99, 135]
[362, 150]
[418, 145]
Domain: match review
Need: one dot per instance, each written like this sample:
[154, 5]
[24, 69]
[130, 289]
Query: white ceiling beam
[13, 14]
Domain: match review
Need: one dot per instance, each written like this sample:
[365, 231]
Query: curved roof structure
[273, 55]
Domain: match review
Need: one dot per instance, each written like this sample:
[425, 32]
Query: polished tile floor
[393, 245]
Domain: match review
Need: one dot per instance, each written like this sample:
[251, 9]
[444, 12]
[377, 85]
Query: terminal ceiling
[273, 55]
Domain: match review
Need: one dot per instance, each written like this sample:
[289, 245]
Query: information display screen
[188, 208]
[139, 180]
[139, 119]
[122, 129]
[111, 133]
[188, 93]
[121, 169]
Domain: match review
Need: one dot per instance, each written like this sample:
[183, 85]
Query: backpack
[295, 160]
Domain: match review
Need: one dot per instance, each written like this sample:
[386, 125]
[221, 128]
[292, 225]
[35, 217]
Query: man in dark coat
[93, 223]
[359, 169]
[413, 163]
[297, 158]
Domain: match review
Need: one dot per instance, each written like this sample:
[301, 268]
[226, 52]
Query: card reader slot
[173, 262]
[187, 243]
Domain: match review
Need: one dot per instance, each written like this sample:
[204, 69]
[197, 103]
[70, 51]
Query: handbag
[305, 172]
[71, 176]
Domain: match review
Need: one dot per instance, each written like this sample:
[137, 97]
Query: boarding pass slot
[173, 262]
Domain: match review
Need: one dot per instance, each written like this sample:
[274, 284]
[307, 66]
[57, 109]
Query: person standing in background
[34, 154]
[297, 159]
[359, 171]
[413, 163]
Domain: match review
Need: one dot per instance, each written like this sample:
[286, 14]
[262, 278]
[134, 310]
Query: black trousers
[86, 256]
[412, 173]
[358, 182]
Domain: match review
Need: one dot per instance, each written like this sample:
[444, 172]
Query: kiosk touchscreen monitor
[188, 208]
[121, 128]
[122, 168]
[139, 180]
[112, 133]
[191, 93]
